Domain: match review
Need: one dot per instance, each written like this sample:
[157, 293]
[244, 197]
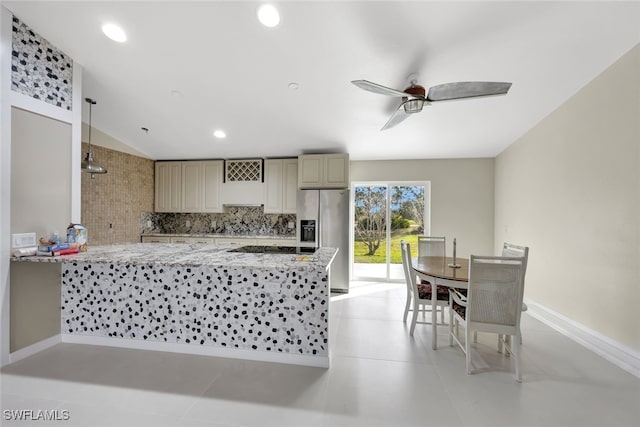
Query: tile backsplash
[235, 220]
[112, 203]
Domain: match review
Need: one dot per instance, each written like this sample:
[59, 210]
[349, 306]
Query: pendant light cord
[91, 102]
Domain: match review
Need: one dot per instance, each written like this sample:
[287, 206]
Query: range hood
[243, 183]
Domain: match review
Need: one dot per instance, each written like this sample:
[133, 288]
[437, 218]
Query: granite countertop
[230, 235]
[189, 255]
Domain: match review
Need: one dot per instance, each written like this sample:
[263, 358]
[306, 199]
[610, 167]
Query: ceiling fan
[415, 96]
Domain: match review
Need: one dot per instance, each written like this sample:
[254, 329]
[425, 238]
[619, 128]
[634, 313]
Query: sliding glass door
[384, 215]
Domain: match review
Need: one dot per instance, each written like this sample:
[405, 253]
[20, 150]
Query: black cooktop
[274, 250]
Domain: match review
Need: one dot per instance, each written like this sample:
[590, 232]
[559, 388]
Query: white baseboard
[616, 353]
[34, 348]
[263, 356]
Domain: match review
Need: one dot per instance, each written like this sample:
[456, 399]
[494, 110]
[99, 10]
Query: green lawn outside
[360, 248]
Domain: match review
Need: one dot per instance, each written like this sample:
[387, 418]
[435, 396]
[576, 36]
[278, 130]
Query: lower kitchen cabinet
[156, 239]
[235, 241]
[276, 242]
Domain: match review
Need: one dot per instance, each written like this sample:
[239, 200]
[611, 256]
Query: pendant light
[88, 164]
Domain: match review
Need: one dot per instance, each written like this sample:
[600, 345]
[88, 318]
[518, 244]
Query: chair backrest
[512, 250]
[409, 274]
[432, 246]
[495, 291]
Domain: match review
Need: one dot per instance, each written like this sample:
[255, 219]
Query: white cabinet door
[310, 171]
[168, 187]
[181, 240]
[191, 187]
[290, 186]
[273, 179]
[203, 240]
[212, 185]
[336, 170]
[323, 171]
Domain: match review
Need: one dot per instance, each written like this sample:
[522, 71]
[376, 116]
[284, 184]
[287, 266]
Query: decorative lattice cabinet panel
[243, 170]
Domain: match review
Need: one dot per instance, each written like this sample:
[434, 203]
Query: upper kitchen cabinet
[281, 185]
[212, 171]
[192, 187]
[168, 197]
[189, 186]
[323, 171]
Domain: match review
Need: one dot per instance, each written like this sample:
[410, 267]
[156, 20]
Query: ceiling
[189, 68]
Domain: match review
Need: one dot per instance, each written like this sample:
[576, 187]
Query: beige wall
[40, 179]
[112, 203]
[570, 189]
[462, 199]
[35, 302]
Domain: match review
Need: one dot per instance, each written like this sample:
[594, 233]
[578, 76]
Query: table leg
[434, 314]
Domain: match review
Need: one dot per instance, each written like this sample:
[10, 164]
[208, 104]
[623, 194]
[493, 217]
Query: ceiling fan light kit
[415, 96]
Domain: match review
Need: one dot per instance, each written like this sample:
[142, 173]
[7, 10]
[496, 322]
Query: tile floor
[379, 376]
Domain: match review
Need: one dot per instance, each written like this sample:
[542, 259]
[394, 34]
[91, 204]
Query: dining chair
[493, 304]
[434, 246]
[418, 294]
[511, 250]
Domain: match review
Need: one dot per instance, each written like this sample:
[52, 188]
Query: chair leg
[475, 336]
[414, 318]
[516, 355]
[406, 306]
[500, 337]
[451, 328]
[467, 346]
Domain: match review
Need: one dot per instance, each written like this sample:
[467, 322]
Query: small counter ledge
[199, 299]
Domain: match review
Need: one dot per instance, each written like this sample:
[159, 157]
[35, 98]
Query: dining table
[437, 270]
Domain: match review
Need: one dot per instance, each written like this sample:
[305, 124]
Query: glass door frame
[388, 185]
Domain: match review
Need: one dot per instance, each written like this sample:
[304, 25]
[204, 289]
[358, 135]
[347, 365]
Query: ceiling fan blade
[376, 88]
[459, 90]
[399, 116]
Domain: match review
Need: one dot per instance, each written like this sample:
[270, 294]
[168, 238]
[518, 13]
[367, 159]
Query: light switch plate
[23, 240]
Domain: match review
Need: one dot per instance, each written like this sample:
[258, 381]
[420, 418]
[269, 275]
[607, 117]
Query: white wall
[102, 139]
[570, 190]
[462, 199]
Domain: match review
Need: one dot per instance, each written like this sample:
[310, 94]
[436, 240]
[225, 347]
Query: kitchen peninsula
[201, 299]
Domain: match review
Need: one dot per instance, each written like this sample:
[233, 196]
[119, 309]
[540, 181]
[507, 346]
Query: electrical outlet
[290, 225]
[188, 223]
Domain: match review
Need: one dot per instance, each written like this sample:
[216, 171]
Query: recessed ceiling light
[219, 134]
[293, 86]
[114, 32]
[268, 15]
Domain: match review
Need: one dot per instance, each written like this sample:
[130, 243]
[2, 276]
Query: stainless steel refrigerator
[323, 220]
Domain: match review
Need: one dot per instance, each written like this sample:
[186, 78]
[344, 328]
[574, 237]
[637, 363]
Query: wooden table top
[436, 266]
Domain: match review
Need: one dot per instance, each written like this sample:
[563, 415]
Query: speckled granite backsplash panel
[235, 220]
[38, 69]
